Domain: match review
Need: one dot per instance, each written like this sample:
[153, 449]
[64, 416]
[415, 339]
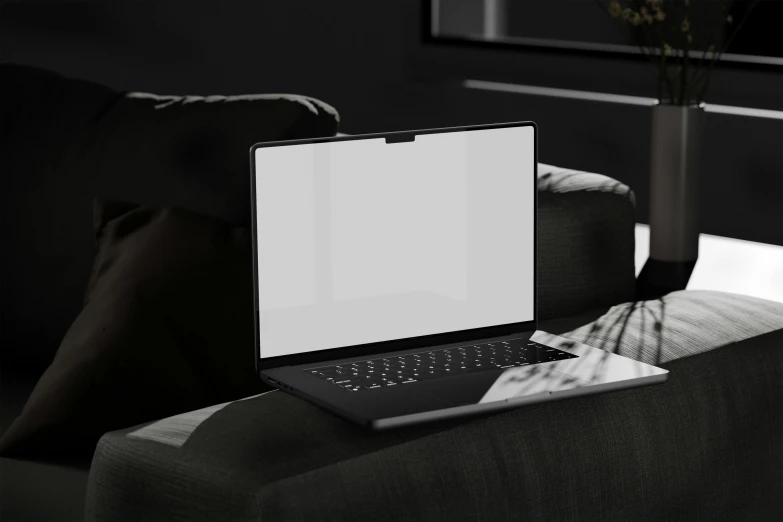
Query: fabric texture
[167, 326]
[705, 445]
[32, 491]
[65, 142]
[585, 255]
[56, 491]
[680, 324]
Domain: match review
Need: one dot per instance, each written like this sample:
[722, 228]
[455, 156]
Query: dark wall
[366, 58]
[346, 53]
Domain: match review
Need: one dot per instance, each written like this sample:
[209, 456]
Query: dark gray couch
[705, 445]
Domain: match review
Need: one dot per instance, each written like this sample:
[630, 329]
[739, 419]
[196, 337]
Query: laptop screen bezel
[424, 341]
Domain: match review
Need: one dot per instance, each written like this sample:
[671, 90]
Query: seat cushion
[706, 444]
[33, 491]
[36, 491]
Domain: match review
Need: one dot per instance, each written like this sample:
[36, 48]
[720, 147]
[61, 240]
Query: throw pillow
[65, 140]
[167, 327]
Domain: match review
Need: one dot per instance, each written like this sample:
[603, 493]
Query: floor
[728, 265]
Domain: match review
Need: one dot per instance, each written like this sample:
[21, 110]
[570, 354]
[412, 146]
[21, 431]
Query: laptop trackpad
[461, 389]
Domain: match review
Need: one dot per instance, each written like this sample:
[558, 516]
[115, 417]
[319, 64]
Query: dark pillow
[167, 327]
[64, 141]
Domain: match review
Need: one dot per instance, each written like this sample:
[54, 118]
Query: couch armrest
[585, 242]
[705, 445]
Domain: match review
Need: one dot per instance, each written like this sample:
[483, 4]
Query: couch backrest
[65, 142]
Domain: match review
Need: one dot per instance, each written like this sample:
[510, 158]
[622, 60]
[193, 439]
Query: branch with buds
[664, 33]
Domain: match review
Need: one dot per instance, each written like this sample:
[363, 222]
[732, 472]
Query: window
[585, 26]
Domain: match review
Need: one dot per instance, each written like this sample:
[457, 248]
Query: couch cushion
[65, 142]
[585, 255]
[42, 282]
[167, 327]
[680, 324]
[42, 491]
[706, 444]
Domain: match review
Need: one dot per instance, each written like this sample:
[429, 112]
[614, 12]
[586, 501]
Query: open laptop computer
[395, 277]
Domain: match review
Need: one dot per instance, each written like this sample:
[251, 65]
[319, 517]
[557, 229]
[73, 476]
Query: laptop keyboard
[424, 366]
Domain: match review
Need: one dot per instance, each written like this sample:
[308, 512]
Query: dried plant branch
[664, 70]
[639, 44]
[692, 74]
[717, 23]
[716, 57]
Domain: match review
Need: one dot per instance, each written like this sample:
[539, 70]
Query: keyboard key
[374, 374]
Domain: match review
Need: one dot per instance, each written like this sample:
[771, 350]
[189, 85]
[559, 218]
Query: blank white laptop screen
[361, 241]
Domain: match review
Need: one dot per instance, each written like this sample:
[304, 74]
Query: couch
[705, 445]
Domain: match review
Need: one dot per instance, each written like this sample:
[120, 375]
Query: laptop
[395, 278]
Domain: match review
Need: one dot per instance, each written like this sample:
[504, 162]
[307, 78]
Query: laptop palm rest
[460, 390]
